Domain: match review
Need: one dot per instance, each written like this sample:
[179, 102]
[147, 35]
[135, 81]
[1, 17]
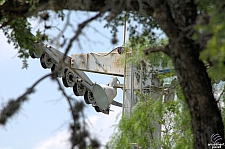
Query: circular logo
[215, 138]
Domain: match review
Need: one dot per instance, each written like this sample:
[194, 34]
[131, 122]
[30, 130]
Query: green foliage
[173, 115]
[33, 5]
[140, 26]
[1, 1]
[60, 14]
[149, 115]
[144, 27]
[214, 54]
[18, 33]
[149, 63]
[153, 59]
[135, 127]
[144, 123]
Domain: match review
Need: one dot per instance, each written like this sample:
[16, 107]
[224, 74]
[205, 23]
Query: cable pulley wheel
[68, 78]
[88, 97]
[79, 89]
[46, 61]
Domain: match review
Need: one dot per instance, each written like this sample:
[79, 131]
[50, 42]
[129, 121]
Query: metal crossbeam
[102, 63]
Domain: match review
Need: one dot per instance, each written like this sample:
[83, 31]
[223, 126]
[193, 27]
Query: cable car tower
[72, 71]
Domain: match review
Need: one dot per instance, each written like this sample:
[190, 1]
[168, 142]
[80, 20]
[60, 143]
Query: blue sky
[43, 121]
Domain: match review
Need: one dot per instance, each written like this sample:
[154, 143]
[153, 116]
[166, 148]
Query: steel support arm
[103, 63]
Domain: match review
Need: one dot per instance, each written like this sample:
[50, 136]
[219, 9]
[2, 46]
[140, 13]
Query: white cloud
[101, 126]
[59, 141]
[93, 119]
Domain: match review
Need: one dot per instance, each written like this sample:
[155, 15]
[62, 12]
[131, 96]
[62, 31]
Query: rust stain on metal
[83, 64]
[69, 60]
[100, 62]
[117, 62]
[106, 70]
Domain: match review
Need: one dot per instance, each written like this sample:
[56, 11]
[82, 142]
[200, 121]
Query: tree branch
[68, 99]
[79, 134]
[164, 49]
[18, 8]
[13, 106]
[162, 13]
[78, 32]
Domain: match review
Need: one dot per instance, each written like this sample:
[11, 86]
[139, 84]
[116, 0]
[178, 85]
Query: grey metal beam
[103, 63]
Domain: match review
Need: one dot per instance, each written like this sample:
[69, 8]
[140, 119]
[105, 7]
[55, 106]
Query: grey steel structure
[72, 70]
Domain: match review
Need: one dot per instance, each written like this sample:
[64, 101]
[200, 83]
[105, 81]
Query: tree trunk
[196, 86]
[177, 19]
